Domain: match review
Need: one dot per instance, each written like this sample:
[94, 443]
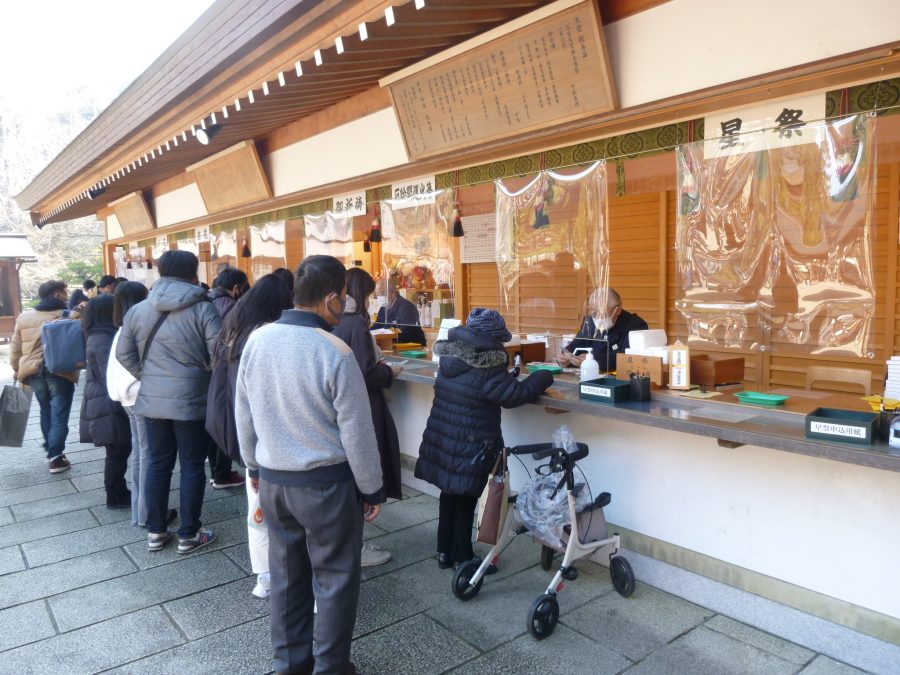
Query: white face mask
[603, 323]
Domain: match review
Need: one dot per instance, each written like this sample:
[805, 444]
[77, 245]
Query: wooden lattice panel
[230, 178]
[132, 213]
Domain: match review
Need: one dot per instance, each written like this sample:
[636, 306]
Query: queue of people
[285, 378]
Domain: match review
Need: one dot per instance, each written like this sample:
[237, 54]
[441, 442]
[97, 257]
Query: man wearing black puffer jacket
[463, 436]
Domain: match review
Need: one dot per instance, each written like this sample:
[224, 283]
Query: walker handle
[533, 449]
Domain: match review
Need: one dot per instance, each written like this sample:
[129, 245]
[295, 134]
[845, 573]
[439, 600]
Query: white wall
[185, 203]
[113, 229]
[368, 144]
[831, 527]
[686, 45]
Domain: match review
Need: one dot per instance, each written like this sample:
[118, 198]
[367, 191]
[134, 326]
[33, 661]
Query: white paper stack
[892, 387]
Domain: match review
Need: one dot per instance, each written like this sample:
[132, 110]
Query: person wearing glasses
[604, 332]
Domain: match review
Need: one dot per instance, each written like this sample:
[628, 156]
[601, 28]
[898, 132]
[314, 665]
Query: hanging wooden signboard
[548, 67]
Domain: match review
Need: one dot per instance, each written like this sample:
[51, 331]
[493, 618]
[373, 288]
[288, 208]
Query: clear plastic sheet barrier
[326, 234]
[417, 260]
[267, 245]
[773, 240]
[552, 252]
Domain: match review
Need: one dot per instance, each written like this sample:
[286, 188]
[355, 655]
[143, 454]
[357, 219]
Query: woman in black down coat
[104, 421]
[462, 436]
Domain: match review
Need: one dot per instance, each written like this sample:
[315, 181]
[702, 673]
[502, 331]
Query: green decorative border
[883, 97]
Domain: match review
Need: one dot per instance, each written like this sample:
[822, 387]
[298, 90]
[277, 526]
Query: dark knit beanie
[489, 322]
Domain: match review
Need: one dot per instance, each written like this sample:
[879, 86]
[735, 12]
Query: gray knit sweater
[302, 410]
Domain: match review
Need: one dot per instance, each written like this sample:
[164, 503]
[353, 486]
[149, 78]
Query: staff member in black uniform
[402, 314]
[606, 341]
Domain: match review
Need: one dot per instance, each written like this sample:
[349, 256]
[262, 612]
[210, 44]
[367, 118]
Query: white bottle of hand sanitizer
[590, 369]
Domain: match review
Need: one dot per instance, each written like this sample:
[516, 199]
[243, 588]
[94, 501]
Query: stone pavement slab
[242, 650]
[23, 624]
[637, 625]
[11, 560]
[114, 597]
[82, 470]
[43, 582]
[706, 651]
[405, 547]
[399, 515]
[32, 530]
[416, 646]
[6, 516]
[822, 665]
[228, 533]
[95, 648]
[499, 612]
[765, 641]
[217, 609]
[565, 651]
[53, 506]
[33, 493]
[64, 546]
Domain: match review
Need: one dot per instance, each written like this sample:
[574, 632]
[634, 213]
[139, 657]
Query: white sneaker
[372, 555]
[261, 590]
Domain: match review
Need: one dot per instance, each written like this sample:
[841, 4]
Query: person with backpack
[261, 305]
[462, 435]
[103, 421]
[53, 390]
[167, 342]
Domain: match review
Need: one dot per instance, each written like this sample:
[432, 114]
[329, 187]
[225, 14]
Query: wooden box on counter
[716, 370]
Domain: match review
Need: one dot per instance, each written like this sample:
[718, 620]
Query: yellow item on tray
[876, 401]
[407, 345]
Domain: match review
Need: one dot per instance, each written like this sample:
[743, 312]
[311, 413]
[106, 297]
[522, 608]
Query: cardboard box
[715, 370]
[644, 366]
[841, 425]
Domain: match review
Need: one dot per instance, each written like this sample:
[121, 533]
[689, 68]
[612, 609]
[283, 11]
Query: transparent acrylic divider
[326, 234]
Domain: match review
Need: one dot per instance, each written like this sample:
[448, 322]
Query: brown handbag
[494, 502]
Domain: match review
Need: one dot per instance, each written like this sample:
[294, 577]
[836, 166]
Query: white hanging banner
[349, 205]
[726, 133]
[419, 191]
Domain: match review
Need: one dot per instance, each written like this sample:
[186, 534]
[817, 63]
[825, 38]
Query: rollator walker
[585, 534]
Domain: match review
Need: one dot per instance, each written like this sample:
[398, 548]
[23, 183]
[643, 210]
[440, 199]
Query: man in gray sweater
[306, 435]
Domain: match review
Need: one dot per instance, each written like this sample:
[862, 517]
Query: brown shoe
[60, 464]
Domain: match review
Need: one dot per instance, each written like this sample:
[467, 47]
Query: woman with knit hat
[462, 436]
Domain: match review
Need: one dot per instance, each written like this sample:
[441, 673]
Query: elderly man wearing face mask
[605, 333]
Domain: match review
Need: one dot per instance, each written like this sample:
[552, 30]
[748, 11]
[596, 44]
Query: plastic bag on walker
[544, 513]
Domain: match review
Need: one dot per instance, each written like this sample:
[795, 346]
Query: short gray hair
[612, 298]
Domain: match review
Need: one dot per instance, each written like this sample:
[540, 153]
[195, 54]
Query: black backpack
[220, 424]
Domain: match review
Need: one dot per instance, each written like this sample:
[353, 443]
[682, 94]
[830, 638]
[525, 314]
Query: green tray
[759, 398]
[414, 354]
[550, 367]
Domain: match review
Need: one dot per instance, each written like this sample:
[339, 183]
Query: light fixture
[95, 192]
[389, 15]
[318, 56]
[299, 68]
[363, 32]
[204, 136]
[339, 44]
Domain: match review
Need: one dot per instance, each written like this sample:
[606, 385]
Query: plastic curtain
[223, 252]
[552, 250]
[267, 243]
[774, 241]
[417, 258]
[324, 234]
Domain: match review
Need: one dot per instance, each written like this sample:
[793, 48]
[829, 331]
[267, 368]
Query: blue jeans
[54, 393]
[166, 440]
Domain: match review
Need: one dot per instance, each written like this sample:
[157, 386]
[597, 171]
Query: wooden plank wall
[643, 271]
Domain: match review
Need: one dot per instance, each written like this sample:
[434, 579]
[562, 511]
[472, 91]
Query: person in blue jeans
[54, 391]
[166, 342]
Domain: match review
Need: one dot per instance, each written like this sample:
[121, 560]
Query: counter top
[731, 422]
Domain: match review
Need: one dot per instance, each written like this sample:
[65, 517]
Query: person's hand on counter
[396, 369]
[564, 359]
[576, 360]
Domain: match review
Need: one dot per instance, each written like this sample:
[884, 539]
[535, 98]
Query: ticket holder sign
[680, 367]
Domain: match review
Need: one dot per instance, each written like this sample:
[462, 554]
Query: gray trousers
[315, 540]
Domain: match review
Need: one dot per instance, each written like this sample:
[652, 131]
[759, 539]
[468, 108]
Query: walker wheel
[464, 573]
[547, 554]
[543, 616]
[622, 575]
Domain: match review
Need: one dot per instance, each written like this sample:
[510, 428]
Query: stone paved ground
[79, 593]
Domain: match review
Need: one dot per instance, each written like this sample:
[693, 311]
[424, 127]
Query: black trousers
[455, 518]
[219, 462]
[114, 473]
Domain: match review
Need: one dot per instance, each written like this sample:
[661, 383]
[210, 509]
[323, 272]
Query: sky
[49, 47]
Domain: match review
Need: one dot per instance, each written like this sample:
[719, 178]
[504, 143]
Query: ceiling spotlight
[95, 192]
[205, 135]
